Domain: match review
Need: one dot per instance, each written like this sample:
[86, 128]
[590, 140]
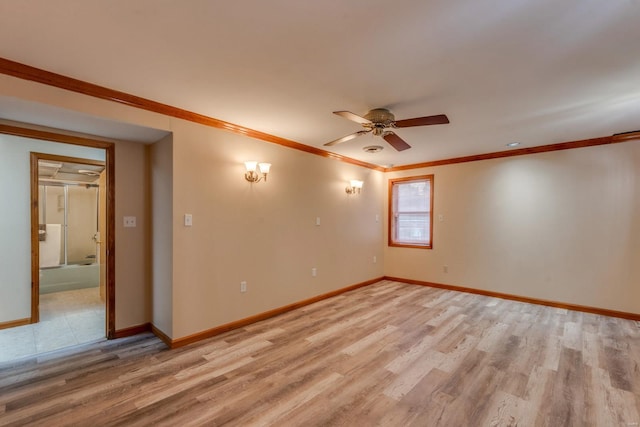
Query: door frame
[109, 239]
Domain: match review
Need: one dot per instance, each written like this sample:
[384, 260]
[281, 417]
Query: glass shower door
[82, 224]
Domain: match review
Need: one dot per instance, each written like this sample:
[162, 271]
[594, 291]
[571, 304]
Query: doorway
[72, 246]
[71, 281]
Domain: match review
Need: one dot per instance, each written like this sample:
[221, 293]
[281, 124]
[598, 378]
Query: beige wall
[160, 170]
[561, 226]
[133, 305]
[264, 233]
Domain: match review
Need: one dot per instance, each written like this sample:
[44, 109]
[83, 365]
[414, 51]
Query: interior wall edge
[529, 300]
[160, 334]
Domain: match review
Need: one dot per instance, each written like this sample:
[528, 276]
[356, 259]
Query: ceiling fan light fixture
[373, 149]
[380, 116]
[378, 120]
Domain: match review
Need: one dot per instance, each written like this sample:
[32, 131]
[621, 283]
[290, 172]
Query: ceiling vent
[373, 148]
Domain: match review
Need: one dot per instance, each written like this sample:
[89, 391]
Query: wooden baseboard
[261, 316]
[574, 307]
[133, 330]
[164, 337]
[14, 323]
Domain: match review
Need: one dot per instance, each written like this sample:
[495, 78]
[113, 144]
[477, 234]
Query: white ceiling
[537, 71]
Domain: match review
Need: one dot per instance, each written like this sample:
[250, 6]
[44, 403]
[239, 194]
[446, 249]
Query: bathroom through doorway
[70, 256]
[71, 220]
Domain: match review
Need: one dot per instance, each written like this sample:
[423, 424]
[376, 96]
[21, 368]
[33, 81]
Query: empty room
[417, 213]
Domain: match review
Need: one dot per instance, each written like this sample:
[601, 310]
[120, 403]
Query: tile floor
[66, 319]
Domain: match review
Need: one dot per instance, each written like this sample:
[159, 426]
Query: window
[410, 207]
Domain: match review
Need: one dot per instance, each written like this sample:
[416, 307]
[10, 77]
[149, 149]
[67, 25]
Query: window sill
[410, 245]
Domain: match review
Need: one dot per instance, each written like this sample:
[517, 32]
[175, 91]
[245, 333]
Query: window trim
[392, 182]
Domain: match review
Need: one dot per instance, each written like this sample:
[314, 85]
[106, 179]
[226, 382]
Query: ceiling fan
[379, 120]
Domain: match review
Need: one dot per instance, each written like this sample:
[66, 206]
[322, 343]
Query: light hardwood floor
[389, 354]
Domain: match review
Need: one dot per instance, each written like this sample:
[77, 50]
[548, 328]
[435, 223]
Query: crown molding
[519, 152]
[27, 72]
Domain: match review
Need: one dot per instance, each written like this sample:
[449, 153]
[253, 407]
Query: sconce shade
[354, 187]
[251, 166]
[264, 168]
[252, 175]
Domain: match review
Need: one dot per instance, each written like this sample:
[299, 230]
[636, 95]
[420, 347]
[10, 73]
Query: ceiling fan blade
[395, 141]
[440, 119]
[353, 117]
[347, 138]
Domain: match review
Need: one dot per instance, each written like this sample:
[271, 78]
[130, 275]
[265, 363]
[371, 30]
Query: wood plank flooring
[389, 354]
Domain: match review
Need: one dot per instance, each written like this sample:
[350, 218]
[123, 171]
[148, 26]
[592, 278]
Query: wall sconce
[252, 175]
[354, 187]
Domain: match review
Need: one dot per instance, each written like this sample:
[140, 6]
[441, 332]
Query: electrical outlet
[243, 286]
[129, 221]
[445, 268]
[314, 272]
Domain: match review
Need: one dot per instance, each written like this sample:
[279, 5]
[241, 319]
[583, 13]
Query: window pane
[413, 228]
[413, 196]
[411, 201]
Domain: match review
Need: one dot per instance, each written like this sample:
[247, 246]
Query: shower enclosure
[69, 237]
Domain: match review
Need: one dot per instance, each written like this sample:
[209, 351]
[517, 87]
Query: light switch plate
[188, 220]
